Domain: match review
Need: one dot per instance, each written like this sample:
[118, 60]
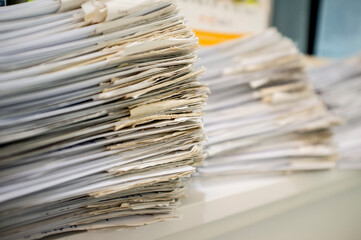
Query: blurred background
[324, 28]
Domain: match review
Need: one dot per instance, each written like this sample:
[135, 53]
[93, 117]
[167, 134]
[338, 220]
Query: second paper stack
[262, 114]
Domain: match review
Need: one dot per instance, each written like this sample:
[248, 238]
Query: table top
[216, 198]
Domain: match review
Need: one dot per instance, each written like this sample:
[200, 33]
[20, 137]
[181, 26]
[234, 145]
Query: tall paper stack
[262, 114]
[100, 115]
[339, 84]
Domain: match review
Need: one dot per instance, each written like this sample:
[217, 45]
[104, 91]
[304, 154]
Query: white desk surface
[213, 199]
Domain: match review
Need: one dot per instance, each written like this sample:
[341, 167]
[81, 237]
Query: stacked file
[339, 84]
[100, 115]
[262, 114]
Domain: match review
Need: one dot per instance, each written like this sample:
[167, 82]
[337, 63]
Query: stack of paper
[100, 115]
[339, 85]
[262, 114]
